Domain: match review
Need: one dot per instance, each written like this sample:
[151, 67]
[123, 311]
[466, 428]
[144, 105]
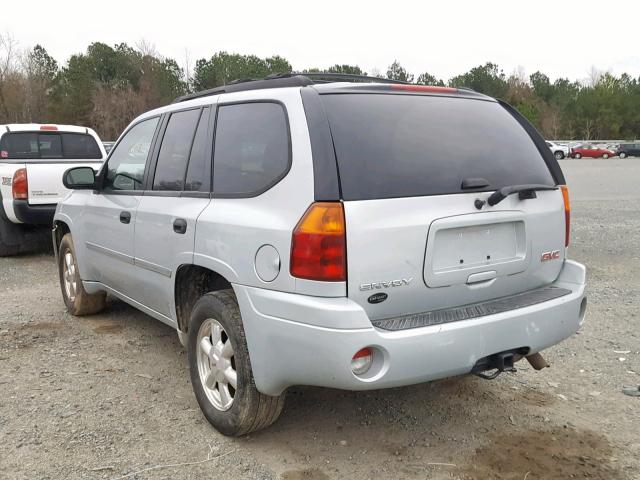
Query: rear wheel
[19, 238]
[578, 155]
[623, 155]
[76, 298]
[559, 155]
[220, 368]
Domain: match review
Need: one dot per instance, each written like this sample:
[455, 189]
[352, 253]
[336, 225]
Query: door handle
[125, 217]
[180, 225]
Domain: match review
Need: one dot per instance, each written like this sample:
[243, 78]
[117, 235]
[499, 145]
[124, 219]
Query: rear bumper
[300, 340]
[34, 214]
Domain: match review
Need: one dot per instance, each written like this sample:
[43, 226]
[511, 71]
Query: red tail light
[50, 128]
[319, 247]
[567, 213]
[20, 185]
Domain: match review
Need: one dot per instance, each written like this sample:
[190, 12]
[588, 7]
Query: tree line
[106, 86]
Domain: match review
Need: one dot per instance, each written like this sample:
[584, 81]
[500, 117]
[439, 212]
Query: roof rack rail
[278, 80]
[329, 77]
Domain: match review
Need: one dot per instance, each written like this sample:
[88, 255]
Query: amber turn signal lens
[318, 246]
[567, 213]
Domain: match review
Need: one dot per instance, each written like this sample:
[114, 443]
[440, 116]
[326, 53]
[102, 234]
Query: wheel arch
[191, 282]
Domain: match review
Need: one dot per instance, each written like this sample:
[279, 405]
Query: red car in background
[590, 151]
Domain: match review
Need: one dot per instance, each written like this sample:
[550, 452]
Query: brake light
[424, 88]
[20, 185]
[567, 213]
[318, 246]
[50, 128]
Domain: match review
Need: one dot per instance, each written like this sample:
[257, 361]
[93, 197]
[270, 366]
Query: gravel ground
[107, 396]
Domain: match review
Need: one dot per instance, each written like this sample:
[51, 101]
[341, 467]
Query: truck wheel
[220, 368]
[20, 238]
[559, 155]
[7, 248]
[76, 298]
[623, 155]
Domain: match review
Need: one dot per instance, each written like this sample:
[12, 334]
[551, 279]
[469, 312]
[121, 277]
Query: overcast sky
[560, 38]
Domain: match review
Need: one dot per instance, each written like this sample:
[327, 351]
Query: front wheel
[577, 155]
[623, 155]
[605, 156]
[220, 368]
[559, 155]
[76, 298]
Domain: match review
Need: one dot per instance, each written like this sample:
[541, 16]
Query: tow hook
[500, 362]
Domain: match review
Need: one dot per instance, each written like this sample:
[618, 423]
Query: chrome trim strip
[153, 267]
[111, 253]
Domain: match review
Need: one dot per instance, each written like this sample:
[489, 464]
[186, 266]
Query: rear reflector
[361, 361]
[20, 185]
[567, 213]
[51, 128]
[424, 88]
[318, 246]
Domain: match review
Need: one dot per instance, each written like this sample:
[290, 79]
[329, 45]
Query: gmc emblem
[552, 255]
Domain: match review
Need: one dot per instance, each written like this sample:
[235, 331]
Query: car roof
[294, 81]
[36, 127]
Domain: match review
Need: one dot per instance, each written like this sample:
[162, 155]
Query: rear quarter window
[251, 149]
[390, 146]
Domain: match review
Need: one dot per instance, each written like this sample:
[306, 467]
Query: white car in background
[559, 151]
[33, 158]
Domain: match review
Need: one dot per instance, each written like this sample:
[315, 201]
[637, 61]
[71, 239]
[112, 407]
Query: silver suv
[339, 234]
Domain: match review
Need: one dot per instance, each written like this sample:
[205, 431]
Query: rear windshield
[391, 146]
[25, 145]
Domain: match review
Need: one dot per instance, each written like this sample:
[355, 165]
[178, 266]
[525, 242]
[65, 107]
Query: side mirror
[79, 178]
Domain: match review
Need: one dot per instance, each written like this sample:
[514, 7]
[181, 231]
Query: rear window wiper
[524, 191]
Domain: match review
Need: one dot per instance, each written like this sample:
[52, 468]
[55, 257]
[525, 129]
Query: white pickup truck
[33, 159]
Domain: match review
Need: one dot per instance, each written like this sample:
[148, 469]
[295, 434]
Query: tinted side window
[80, 145]
[251, 150]
[125, 170]
[174, 152]
[199, 170]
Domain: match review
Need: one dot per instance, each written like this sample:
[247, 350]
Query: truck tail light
[318, 246]
[567, 213]
[20, 185]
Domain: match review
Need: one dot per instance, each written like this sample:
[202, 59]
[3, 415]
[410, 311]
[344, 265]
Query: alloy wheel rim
[216, 364]
[69, 276]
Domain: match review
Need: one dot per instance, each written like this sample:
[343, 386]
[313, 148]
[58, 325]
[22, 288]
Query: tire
[623, 155]
[19, 238]
[559, 155]
[249, 410]
[605, 156]
[76, 298]
[577, 155]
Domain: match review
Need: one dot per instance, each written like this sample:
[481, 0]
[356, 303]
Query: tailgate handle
[125, 217]
[482, 276]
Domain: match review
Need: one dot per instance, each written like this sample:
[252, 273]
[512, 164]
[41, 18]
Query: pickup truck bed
[33, 159]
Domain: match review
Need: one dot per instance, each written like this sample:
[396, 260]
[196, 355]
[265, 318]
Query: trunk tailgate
[403, 248]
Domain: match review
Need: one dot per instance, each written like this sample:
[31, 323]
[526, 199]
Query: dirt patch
[554, 454]
[106, 326]
[534, 398]
[310, 474]
[40, 327]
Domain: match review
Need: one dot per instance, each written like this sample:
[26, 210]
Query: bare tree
[9, 73]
